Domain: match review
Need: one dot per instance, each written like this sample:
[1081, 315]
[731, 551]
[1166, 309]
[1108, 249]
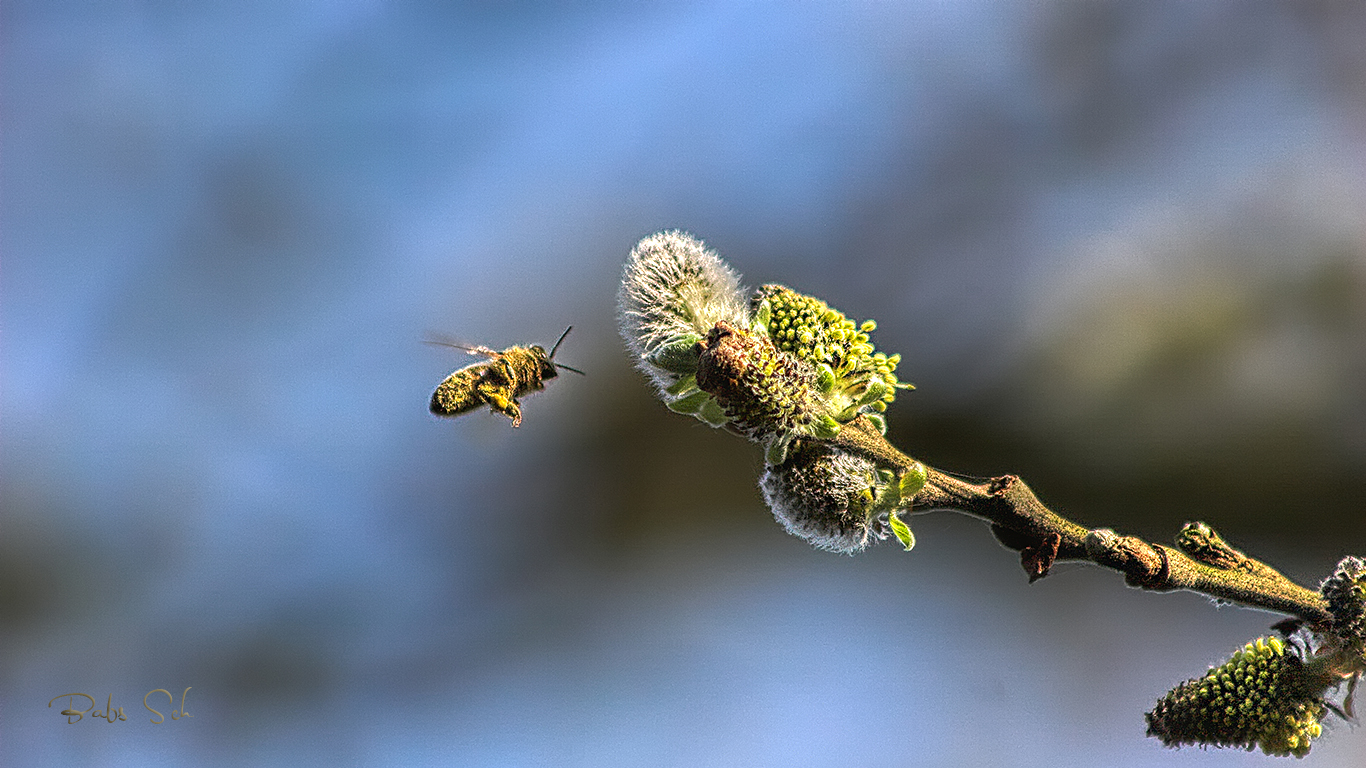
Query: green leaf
[913, 481]
[878, 421]
[902, 531]
[682, 386]
[762, 316]
[676, 356]
[825, 378]
[875, 391]
[776, 451]
[825, 428]
[688, 404]
[713, 414]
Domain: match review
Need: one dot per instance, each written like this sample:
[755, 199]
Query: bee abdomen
[455, 395]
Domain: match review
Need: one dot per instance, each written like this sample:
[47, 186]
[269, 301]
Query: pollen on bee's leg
[499, 402]
[510, 409]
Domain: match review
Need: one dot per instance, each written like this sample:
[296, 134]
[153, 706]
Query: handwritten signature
[112, 714]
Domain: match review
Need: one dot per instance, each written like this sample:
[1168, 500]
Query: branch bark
[1200, 562]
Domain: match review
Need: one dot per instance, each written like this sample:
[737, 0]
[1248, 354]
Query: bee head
[548, 369]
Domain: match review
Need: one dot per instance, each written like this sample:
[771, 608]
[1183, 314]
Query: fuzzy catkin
[764, 390]
[825, 496]
[1345, 592]
[675, 290]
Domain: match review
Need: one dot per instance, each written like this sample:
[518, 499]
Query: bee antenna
[551, 356]
[567, 368]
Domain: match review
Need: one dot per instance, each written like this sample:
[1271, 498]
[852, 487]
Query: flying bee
[499, 381]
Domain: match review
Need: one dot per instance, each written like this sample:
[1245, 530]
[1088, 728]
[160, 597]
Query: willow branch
[1200, 562]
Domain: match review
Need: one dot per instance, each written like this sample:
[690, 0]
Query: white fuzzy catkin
[823, 495]
[675, 289]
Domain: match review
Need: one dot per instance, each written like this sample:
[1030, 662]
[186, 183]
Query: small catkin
[673, 291]
[816, 332]
[764, 390]
[825, 496]
[1261, 697]
[1345, 592]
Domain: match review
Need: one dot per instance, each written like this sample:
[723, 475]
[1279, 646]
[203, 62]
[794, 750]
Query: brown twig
[1200, 562]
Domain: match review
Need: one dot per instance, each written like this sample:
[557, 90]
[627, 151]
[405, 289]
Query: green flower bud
[1261, 697]
[806, 327]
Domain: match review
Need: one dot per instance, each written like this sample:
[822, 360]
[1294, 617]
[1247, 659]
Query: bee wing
[442, 340]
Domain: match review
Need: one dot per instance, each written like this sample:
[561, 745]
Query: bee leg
[512, 410]
[498, 400]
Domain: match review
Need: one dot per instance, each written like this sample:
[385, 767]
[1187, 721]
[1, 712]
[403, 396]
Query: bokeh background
[1121, 246]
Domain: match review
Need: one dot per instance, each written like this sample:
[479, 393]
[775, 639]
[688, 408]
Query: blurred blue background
[1121, 247]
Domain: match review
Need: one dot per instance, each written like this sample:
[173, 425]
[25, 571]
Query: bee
[499, 381]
